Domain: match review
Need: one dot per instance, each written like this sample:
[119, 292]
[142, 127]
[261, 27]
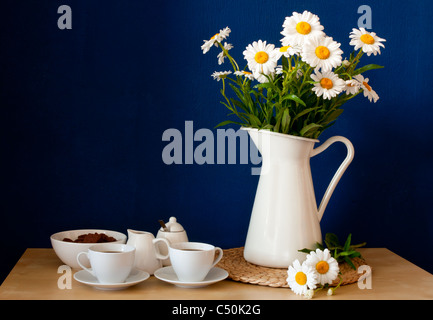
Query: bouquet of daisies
[298, 88]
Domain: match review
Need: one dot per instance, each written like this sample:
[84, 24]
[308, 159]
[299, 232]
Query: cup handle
[157, 252]
[84, 268]
[219, 257]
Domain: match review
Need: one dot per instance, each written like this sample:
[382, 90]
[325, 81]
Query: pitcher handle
[340, 171]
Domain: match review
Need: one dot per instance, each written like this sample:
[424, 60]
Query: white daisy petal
[220, 75]
[352, 87]
[325, 266]
[219, 37]
[328, 84]
[301, 278]
[323, 53]
[261, 57]
[369, 42]
[368, 91]
[245, 74]
[301, 27]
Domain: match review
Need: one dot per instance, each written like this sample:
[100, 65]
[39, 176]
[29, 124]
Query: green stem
[226, 53]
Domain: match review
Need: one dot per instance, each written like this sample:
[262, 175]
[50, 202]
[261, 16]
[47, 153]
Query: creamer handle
[340, 171]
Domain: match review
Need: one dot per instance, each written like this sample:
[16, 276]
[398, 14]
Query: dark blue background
[83, 112]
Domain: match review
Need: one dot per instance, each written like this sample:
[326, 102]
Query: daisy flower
[220, 75]
[289, 51]
[245, 74]
[327, 84]
[219, 37]
[262, 58]
[368, 41]
[301, 278]
[352, 87]
[300, 27]
[368, 91]
[326, 266]
[323, 53]
[221, 55]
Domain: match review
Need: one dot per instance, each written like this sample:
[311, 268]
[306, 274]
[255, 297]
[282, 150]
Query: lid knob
[173, 225]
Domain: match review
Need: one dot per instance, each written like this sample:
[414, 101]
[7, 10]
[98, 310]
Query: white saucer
[136, 276]
[167, 274]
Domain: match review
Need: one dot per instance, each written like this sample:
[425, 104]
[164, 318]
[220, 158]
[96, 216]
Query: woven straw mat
[240, 270]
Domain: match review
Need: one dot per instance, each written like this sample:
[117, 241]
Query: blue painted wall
[83, 112]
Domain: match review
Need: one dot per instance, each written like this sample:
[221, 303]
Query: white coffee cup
[111, 263]
[192, 261]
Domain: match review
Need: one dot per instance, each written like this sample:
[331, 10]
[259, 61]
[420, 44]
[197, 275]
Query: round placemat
[243, 271]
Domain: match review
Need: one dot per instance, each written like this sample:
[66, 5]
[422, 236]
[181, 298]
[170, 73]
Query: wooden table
[35, 277]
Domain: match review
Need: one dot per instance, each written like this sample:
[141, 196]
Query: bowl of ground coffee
[67, 244]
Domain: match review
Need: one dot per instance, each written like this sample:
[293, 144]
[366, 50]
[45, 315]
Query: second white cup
[192, 261]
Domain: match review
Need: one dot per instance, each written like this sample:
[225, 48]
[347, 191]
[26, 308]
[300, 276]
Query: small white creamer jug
[147, 255]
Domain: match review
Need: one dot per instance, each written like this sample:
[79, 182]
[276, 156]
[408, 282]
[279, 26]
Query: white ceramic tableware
[136, 276]
[147, 255]
[167, 274]
[68, 251]
[285, 217]
[111, 263]
[174, 233]
[192, 261]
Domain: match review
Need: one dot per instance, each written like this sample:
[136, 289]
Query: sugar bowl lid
[173, 225]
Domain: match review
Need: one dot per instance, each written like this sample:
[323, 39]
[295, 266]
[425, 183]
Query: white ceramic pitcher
[147, 256]
[285, 217]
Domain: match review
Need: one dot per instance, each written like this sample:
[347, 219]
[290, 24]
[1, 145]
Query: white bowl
[68, 251]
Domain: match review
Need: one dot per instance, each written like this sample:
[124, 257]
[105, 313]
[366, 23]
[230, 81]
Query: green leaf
[333, 116]
[238, 93]
[294, 98]
[349, 262]
[239, 104]
[285, 121]
[331, 240]
[228, 122]
[254, 120]
[266, 85]
[309, 129]
[358, 245]
[355, 254]
[305, 250]
[347, 244]
[268, 127]
[305, 111]
[366, 68]
[347, 253]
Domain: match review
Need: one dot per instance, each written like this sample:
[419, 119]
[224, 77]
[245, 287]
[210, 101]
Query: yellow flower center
[322, 52]
[284, 49]
[216, 35]
[326, 83]
[303, 27]
[261, 57]
[301, 278]
[246, 72]
[368, 39]
[322, 267]
[367, 86]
